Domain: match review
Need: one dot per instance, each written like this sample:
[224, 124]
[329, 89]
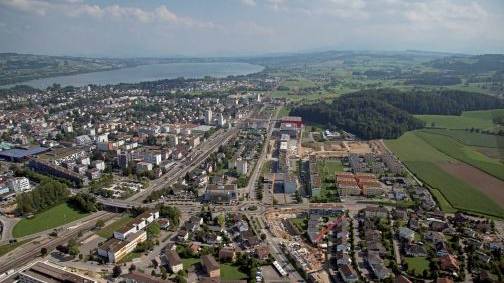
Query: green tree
[153, 230]
[221, 220]
[172, 213]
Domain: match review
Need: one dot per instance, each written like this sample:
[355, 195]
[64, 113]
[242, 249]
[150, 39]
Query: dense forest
[387, 113]
[443, 102]
[367, 117]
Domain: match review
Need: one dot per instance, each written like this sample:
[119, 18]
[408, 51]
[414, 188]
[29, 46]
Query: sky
[126, 28]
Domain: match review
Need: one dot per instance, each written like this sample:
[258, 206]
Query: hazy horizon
[228, 28]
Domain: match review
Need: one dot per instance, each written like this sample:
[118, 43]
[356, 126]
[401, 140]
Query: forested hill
[388, 113]
[443, 102]
[367, 117]
[470, 64]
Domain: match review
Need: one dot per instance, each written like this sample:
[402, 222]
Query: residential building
[114, 249]
[173, 261]
[136, 224]
[348, 273]
[210, 266]
[19, 185]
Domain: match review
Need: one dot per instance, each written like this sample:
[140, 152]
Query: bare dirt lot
[487, 184]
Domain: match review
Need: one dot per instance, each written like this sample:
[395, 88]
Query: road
[250, 189]
[7, 225]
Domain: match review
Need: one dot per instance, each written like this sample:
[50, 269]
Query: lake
[152, 72]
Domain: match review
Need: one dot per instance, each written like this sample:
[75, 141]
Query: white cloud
[277, 4]
[30, 6]
[443, 10]
[75, 8]
[251, 3]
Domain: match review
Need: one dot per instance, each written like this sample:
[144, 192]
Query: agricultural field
[442, 202]
[484, 114]
[470, 119]
[298, 83]
[455, 122]
[461, 152]
[426, 162]
[48, 219]
[470, 138]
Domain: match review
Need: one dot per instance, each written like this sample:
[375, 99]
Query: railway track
[20, 258]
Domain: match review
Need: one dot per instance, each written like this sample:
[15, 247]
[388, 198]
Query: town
[212, 181]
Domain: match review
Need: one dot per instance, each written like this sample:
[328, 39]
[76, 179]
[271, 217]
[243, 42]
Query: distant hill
[470, 64]
[16, 67]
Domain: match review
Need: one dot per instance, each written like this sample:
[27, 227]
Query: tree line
[387, 113]
[46, 195]
[436, 102]
[366, 117]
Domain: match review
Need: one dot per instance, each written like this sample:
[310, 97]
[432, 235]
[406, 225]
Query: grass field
[484, 114]
[284, 112]
[442, 202]
[231, 272]
[48, 219]
[188, 262]
[298, 83]
[469, 119]
[329, 167]
[471, 138]
[456, 150]
[108, 230]
[455, 122]
[423, 159]
[300, 223]
[4, 249]
[417, 265]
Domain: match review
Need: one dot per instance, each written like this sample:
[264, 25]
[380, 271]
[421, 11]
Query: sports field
[47, 219]
[426, 162]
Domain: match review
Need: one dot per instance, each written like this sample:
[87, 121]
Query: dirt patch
[487, 184]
